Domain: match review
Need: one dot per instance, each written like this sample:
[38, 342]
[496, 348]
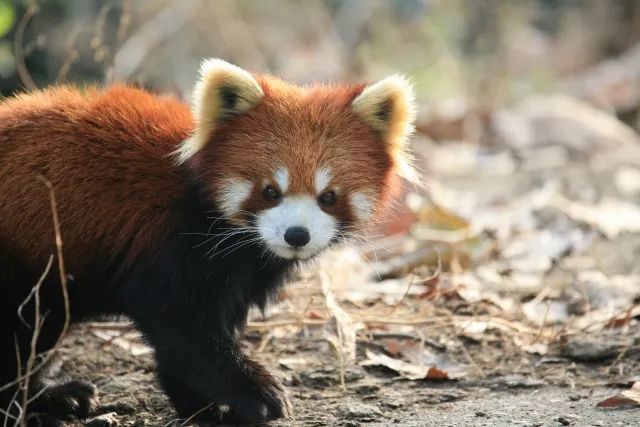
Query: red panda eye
[328, 198]
[271, 193]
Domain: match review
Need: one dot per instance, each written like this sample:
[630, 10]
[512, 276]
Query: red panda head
[301, 166]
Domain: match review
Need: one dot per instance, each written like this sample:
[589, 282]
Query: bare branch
[31, 365]
[23, 72]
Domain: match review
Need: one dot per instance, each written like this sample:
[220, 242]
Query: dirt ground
[506, 387]
[507, 292]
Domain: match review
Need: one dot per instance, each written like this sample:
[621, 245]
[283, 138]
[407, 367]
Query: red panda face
[302, 167]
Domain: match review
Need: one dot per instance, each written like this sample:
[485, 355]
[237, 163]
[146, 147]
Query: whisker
[227, 237]
[371, 246]
[236, 246]
[213, 236]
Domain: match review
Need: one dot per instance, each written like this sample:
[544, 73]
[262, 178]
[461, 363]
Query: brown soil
[504, 385]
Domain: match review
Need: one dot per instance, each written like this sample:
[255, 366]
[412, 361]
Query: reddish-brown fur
[302, 130]
[107, 156]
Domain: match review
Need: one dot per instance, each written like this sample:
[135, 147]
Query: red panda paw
[67, 401]
[265, 401]
[254, 397]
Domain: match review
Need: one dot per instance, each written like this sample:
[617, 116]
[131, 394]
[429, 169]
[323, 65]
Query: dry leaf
[610, 216]
[316, 315]
[546, 312]
[129, 341]
[405, 369]
[436, 374]
[473, 329]
[410, 371]
[440, 218]
[629, 397]
[536, 252]
[500, 217]
[415, 352]
[534, 347]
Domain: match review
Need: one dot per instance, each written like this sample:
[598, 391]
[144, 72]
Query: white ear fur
[388, 106]
[222, 90]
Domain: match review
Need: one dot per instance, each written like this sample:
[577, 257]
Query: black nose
[297, 236]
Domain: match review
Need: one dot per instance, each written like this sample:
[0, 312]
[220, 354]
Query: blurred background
[518, 261]
[481, 52]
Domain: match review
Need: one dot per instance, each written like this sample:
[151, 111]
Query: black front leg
[211, 380]
[189, 307]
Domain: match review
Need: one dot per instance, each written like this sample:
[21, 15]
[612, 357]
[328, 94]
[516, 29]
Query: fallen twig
[346, 331]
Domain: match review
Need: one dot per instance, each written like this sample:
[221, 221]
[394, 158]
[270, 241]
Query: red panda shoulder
[107, 155]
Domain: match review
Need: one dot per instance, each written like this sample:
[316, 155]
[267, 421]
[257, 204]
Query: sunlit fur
[389, 106]
[208, 100]
[164, 218]
[351, 140]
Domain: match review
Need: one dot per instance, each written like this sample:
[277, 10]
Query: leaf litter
[513, 269]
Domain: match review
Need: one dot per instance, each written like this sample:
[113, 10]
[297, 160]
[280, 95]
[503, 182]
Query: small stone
[563, 421]
[361, 411]
[353, 374]
[319, 379]
[366, 389]
[440, 397]
[592, 349]
[515, 381]
[481, 414]
[392, 404]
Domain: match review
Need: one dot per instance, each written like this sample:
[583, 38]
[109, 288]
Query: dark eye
[271, 193]
[328, 198]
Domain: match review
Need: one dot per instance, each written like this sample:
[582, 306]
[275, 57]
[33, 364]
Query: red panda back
[106, 154]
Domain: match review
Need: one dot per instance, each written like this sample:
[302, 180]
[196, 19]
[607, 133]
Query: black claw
[258, 407]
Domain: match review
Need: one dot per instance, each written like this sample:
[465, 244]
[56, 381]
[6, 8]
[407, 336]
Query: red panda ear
[388, 106]
[222, 91]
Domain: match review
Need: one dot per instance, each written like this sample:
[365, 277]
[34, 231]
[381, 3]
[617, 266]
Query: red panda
[183, 218]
